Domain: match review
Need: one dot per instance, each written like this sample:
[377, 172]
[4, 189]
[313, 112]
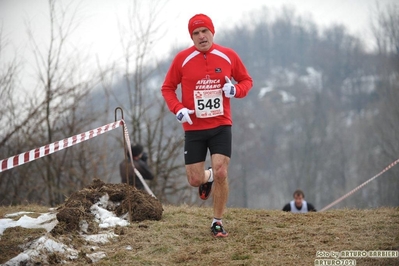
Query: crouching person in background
[140, 163]
[299, 205]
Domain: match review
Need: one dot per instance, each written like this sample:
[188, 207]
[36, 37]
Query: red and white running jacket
[202, 76]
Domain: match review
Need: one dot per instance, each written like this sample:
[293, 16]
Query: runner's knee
[195, 182]
[220, 173]
[195, 178]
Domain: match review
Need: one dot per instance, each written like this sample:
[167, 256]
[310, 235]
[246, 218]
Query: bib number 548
[209, 103]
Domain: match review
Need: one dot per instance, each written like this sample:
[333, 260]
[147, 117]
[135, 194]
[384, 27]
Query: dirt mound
[76, 210]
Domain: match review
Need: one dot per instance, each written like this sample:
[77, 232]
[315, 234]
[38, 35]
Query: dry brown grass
[34, 208]
[256, 237]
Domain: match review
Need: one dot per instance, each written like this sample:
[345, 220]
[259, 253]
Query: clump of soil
[76, 209]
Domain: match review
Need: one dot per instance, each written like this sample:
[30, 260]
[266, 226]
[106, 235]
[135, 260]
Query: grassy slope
[257, 237]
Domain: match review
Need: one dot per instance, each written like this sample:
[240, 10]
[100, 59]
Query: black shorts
[197, 143]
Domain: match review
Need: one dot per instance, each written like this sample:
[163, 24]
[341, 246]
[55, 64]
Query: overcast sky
[98, 30]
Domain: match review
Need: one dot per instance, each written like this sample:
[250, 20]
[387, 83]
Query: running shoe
[205, 189]
[217, 230]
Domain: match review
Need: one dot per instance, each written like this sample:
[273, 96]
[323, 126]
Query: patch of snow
[313, 79]
[20, 259]
[287, 97]
[264, 90]
[16, 214]
[46, 221]
[106, 218]
[50, 245]
[283, 76]
[41, 247]
[99, 238]
[84, 226]
[95, 257]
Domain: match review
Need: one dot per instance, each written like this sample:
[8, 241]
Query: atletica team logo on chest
[208, 84]
[208, 103]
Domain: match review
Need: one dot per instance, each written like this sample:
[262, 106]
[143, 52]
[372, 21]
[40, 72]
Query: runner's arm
[169, 87]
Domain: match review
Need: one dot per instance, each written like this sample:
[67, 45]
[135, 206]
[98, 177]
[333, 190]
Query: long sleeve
[244, 80]
[169, 87]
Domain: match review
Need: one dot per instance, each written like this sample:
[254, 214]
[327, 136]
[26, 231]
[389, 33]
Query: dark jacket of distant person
[140, 163]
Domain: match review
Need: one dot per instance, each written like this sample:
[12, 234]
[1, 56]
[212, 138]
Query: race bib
[208, 103]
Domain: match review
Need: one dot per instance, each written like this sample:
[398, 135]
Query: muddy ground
[76, 209]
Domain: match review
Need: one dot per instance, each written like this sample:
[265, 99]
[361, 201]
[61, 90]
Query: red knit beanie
[200, 20]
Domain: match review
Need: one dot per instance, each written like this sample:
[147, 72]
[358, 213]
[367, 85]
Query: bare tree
[55, 111]
[383, 126]
[145, 111]
[385, 29]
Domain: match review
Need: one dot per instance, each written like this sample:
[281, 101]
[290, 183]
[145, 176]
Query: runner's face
[298, 200]
[202, 38]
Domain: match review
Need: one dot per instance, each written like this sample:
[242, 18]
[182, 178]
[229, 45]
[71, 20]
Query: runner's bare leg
[196, 175]
[220, 165]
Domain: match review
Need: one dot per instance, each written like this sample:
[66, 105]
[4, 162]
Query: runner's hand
[183, 115]
[228, 88]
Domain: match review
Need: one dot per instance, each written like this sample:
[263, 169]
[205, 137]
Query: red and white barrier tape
[48, 149]
[360, 186]
[37, 153]
[128, 144]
